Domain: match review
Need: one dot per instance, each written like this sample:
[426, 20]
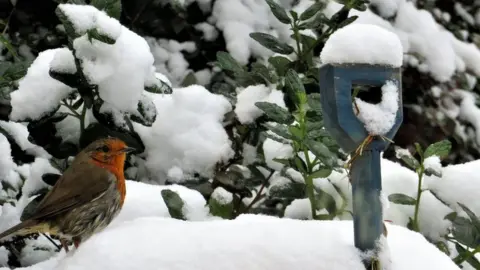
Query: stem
[82, 118]
[462, 258]
[76, 114]
[311, 195]
[297, 40]
[416, 227]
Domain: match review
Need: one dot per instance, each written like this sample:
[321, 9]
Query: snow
[222, 196]
[379, 118]
[237, 19]
[386, 8]
[38, 83]
[120, 70]
[245, 108]
[3, 256]
[175, 175]
[273, 149]
[134, 224]
[249, 242]
[363, 43]
[63, 62]
[420, 34]
[208, 30]
[432, 163]
[187, 132]
[459, 183]
[19, 133]
[86, 17]
[169, 59]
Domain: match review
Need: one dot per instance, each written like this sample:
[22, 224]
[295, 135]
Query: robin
[85, 199]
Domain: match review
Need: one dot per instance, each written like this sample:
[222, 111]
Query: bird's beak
[128, 149]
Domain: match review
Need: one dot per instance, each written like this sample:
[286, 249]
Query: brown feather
[81, 183]
[19, 229]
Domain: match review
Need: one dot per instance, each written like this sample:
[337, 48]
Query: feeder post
[336, 81]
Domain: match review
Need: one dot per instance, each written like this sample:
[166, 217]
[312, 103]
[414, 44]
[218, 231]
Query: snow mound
[38, 83]
[187, 133]
[249, 242]
[363, 44]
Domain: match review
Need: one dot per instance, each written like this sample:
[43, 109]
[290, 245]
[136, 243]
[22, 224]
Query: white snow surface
[135, 222]
[363, 44]
[187, 133]
[249, 242]
[245, 108]
[25, 102]
[379, 118]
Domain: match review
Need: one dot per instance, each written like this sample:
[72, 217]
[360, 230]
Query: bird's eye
[103, 149]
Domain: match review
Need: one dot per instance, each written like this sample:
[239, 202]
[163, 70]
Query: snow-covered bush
[245, 132]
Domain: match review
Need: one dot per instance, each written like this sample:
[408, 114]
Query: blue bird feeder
[340, 121]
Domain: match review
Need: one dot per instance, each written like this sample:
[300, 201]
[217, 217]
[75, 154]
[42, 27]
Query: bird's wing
[74, 188]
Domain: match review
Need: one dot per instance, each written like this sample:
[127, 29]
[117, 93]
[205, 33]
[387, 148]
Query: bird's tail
[26, 227]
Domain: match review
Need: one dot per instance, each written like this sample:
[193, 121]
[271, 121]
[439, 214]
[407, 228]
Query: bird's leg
[63, 241]
[76, 241]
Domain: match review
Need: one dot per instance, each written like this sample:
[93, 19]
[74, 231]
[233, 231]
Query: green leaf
[321, 173]
[472, 260]
[112, 7]
[472, 216]
[290, 190]
[72, 80]
[146, 111]
[272, 43]
[321, 151]
[275, 112]
[67, 24]
[280, 130]
[296, 132]
[283, 161]
[347, 21]
[293, 82]
[440, 149]
[262, 74]
[314, 103]
[8, 45]
[300, 164]
[465, 232]
[278, 12]
[325, 200]
[312, 10]
[308, 42]
[190, 79]
[399, 198]
[280, 64]
[174, 204]
[220, 205]
[315, 23]
[226, 62]
[94, 34]
[409, 160]
[419, 149]
[160, 87]
[276, 138]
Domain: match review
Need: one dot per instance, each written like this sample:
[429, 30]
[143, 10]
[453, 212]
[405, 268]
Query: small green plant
[439, 149]
[464, 233]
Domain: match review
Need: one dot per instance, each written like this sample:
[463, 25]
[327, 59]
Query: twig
[257, 196]
[53, 242]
